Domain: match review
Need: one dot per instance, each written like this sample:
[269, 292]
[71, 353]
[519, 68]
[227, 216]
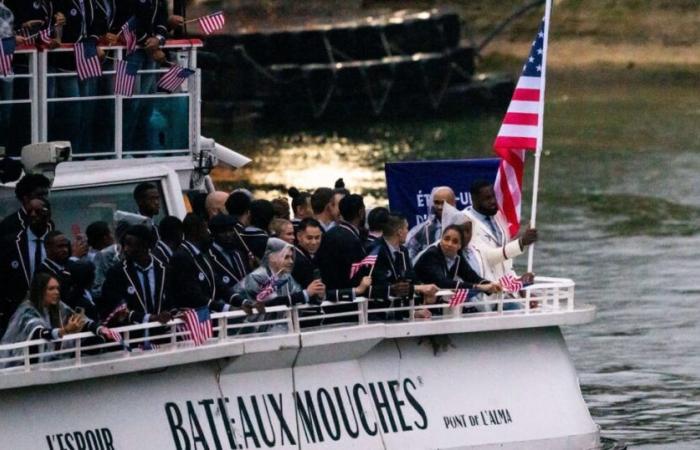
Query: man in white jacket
[491, 239]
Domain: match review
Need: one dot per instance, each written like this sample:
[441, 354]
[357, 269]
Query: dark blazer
[96, 20]
[151, 18]
[15, 274]
[191, 280]
[306, 270]
[227, 274]
[78, 299]
[340, 247]
[162, 252]
[255, 240]
[386, 272]
[25, 10]
[122, 285]
[16, 222]
[431, 267]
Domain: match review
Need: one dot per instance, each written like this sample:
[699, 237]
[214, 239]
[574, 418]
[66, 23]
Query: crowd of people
[242, 253]
[100, 22]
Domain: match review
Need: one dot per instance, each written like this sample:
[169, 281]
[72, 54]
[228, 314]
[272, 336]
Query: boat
[398, 64]
[498, 379]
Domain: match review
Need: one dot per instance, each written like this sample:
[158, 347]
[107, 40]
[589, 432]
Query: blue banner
[409, 183]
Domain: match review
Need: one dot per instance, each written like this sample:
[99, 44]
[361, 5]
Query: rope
[502, 26]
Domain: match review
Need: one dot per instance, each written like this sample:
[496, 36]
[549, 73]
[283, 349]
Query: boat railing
[547, 297]
[99, 123]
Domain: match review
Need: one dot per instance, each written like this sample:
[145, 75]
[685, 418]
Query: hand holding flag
[459, 297]
[369, 260]
[510, 283]
[212, 22]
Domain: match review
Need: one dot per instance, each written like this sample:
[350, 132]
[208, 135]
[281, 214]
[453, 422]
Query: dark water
[619, 213]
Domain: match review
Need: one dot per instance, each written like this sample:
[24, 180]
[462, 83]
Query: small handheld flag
[7, 52]
[212, 22]
[369, 260]
[174, 78]
[268, 289]
[86, 60]
[117, 310]
[129, 34]
[510, 283]
[198, 324]
[125, 77]
[110, 334]
[45, 36]
[459, 297]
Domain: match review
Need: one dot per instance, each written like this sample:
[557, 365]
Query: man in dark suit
[191, 280]
[139, 281]
[306, 268]
[29, 187]
[375, 221]
[55, 264]
[147, 198]
[341, 245]
[229, 265]
[256, 234]
[21, 257]
[392, 274]
[171, 235]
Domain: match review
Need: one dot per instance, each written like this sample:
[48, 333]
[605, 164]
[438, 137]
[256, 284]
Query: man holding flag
[496, 210]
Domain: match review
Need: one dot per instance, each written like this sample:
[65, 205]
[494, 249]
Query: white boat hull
[513, 389]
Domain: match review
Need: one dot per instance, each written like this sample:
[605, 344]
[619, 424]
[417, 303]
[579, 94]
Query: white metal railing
[546, 296]
[27, 72]
[41, 76]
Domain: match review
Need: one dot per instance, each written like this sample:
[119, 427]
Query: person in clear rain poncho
[272, 284]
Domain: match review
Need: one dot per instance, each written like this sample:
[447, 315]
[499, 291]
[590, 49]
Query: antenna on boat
[538, 151]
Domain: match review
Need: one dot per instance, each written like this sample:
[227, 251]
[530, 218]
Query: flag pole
[538, 152]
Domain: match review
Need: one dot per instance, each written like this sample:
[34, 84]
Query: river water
[619, 213]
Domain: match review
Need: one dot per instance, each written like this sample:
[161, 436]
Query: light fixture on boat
[43, 157]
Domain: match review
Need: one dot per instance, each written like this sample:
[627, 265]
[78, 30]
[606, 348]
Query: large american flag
[369, 260]
[212, 22]
[127, 31]
[521, 130]
[174, 78]
[125, 77]
[7, 52]
[459, 297]
[87, 62]
[198, 324]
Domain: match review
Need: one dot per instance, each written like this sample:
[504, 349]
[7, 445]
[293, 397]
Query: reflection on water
[619, 213]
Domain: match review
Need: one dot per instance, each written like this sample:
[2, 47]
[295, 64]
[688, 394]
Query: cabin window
[76, 208]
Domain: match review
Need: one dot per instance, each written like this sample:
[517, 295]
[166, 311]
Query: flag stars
[539, 51]
[540, 35]
[531, 59]
[539, 68]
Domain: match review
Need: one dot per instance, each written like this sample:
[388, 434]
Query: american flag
[125, 77]
[369, 260]
[86, 60]
[521, 130]
[212, 22]
[174, 78]
[129, 34]
[510, 284]
[7, 51]
[45, 36]
[110, 334]
[29, 38]
[198, 324]
[269, 288]
[459, 297]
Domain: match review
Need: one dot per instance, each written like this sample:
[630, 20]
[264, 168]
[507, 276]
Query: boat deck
[286, 336]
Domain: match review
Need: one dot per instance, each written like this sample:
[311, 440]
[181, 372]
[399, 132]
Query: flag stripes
[198, 325]
[87, 62]
[212, 22]
[174, 78]
[510, 284]
[125, 78]
[459, 297]
[369, 260]
[7, 52]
